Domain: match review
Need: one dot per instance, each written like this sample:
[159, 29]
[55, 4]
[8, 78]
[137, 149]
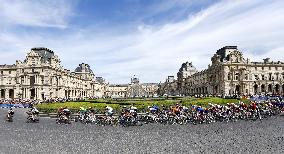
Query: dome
[83, 68]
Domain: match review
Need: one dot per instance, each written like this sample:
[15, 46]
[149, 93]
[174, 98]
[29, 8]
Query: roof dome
[83, 68]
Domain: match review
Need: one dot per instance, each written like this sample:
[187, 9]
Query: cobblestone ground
[265, 136]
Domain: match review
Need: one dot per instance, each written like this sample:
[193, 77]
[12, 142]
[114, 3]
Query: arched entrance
[262, 88]
[32, 93]
[277, 89]
[255, 87]
[3, 93]
[238, 88]
[215, 90]
[270, 88]
[11, 93]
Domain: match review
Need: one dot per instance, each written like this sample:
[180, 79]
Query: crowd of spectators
[30, 102]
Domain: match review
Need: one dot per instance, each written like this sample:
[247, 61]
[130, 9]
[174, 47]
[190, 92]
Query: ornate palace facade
[230, 73]
[131, 90]
[41, 76]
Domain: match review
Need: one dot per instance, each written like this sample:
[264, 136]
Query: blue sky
[148, 38]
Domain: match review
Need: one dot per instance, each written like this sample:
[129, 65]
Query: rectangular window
[262, 68]
[1, 72]
[9, 72]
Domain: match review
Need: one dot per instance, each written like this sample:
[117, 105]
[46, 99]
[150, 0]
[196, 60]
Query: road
[266, 136]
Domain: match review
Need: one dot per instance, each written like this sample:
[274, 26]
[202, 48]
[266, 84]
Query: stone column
[36, 93]
[7, 93]
[27, 81]
[36, 79]
[28, 93]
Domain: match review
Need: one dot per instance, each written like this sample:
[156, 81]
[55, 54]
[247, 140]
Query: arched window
[237, 76]
[269, 88]
[263, 88]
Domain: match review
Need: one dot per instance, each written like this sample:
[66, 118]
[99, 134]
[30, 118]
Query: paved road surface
[265, 136]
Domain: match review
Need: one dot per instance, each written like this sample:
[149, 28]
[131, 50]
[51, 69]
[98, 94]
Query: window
[263, 77]
[276, 68]
[229, 76]
[256, 77]
[237, 76]
[256, 68]
[9, 72]
[246, 76]
[2, 72]
[262, 68]
[269, 68]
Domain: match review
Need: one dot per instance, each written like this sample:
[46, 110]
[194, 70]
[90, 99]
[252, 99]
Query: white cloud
[154, 52]
[42, 13]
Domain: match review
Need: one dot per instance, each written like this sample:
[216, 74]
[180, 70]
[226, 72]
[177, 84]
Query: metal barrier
[14, 106]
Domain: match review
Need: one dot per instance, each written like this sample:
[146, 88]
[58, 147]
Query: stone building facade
[230, 74]
[186, 70]
[132, 90]
[169, 88]
[41, 76]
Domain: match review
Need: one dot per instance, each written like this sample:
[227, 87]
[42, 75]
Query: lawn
[141, 104]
